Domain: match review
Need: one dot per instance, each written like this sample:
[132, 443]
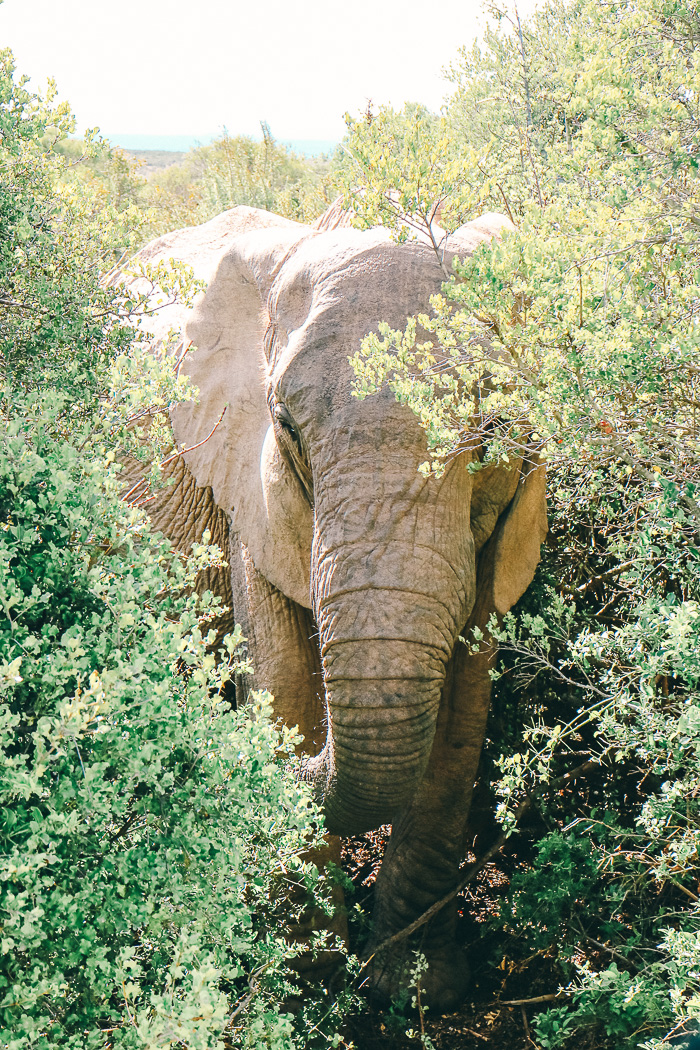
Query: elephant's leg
[283, 647]
[282, 644]
[321, 963]
[427, 844]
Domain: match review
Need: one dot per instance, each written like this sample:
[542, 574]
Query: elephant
[355, 578]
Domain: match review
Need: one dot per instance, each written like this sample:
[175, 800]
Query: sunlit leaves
[403, 169]
[149, 834]
[580, 331]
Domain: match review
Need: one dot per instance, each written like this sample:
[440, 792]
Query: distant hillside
[137, 145]
[155, 159]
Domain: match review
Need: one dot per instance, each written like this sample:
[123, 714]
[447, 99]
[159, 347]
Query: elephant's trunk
[393, 584]
[380, 734]
[385, 646]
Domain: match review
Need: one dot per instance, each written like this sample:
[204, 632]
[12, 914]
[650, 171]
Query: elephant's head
[324, 488]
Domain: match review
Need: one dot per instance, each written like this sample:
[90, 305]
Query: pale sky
[186, 67]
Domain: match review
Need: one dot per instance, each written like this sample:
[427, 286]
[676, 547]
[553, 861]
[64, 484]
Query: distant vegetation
[149, 160]
[174, 190]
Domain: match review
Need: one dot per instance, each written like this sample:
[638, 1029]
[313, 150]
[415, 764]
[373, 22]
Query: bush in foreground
[147, 831]
[148, 834]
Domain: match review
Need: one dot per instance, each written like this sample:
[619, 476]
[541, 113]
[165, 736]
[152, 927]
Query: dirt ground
[492, 1018]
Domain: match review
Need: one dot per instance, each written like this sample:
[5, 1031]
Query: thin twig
[526, 79]
[478, 1035]
[439, 904]
[12, 303]
[606, 948]
[602, 578]
[505, 201]
[184, 451]
[549, 998]
[133, 489]
[126, 826]
[689, 893]
[526, 1025]
[80, 759]
[668, 878]
[186, 347]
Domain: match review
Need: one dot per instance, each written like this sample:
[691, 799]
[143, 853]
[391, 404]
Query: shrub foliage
[144, 822]
[578, 332]
[152, 840]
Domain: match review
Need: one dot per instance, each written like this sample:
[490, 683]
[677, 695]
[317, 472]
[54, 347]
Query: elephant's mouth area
[385, 671]
[350, 809]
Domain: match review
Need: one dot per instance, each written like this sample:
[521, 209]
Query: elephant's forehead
[352, 278]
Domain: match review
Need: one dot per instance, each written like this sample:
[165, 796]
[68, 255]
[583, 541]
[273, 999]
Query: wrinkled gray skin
[352, 575]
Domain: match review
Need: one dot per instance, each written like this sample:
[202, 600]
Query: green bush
[147, 830]
[151, 839]
[578, 333]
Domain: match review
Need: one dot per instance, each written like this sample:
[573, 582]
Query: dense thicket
[579, 334]
[151, 839]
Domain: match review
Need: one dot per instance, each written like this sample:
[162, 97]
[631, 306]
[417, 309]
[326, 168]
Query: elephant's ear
[508, 561]
[335, 217]
[224, 431]
[467, 238]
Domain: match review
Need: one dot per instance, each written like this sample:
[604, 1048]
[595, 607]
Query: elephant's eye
[294, 449]
[284, 418]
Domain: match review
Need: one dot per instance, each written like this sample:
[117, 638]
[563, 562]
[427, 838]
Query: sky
[193, 67]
